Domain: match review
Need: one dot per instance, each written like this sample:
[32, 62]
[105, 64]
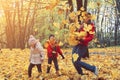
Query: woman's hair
[89, 22]
[51, 35]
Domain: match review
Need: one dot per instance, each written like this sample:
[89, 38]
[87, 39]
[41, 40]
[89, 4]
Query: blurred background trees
[20, 18]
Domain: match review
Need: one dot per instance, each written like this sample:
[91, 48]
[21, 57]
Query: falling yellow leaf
[72, 40]
[72, 15]
[82, 9]
[47, 7]
[98, 3]
[69, 8]
[65, 21]
[56, 32]
[46, 43]
[60, 11]
[72, 28]
[56, 24]
[91, 32]
[35, 29]
[81, 18]
[84, 17]
[78, 12]
[82, 34]
[60, 43]
[52, 4]
[77, 25]
[87, 27]
[84, 13]
[92, 4]
[93, 17]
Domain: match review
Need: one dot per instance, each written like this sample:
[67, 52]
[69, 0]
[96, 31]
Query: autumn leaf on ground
[108, 65]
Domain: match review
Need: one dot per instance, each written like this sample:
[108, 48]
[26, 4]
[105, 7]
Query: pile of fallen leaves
[14, 65]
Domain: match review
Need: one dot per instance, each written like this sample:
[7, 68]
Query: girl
[36, 55]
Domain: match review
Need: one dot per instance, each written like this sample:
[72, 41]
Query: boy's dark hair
[51, 35]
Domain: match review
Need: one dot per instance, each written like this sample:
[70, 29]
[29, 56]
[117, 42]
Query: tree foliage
[20, 18]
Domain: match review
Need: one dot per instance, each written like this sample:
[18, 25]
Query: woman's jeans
[78, 64]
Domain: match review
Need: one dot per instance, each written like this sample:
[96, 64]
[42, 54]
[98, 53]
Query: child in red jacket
[53, 49]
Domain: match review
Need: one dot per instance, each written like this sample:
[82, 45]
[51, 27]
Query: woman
[82, 48]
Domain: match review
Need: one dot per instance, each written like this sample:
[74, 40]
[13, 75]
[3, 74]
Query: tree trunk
[118, 5]
[117, 21]
[8, 28]
[85, 4]
[79, 4]
[116, 27]
[70, 5]
[18, 26]
[31, 23]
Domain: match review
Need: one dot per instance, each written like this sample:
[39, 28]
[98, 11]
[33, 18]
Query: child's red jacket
[50, 49]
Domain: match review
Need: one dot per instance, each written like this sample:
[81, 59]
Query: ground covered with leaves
[14, 65]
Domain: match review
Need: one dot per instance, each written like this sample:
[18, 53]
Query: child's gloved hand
[62, 56]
